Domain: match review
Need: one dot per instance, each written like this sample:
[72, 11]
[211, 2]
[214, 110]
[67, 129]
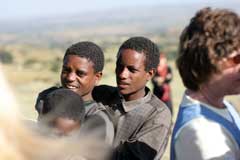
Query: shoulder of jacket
[158, 104]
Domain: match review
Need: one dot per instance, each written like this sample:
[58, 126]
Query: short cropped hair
[211, 35]
[63, 103]
[88, 50]
[145, 46]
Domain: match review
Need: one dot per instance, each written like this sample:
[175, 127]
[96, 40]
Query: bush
[6, 57]
[56, 65]
[29, 62]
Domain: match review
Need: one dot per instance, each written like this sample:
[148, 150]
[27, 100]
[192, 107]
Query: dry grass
[27, 82]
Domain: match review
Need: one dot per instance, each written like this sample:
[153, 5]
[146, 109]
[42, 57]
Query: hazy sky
[24, 9]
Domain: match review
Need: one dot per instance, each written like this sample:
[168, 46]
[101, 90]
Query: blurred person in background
[208, 126]
[161, 81]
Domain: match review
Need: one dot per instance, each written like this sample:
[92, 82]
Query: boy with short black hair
[142, 121]
[82, 68]
[66, 111]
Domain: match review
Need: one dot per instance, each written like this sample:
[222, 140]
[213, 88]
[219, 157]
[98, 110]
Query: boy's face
[64, 126]
[131, 75]
[79, 75]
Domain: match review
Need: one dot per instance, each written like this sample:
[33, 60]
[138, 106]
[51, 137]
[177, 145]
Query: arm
[105, 94]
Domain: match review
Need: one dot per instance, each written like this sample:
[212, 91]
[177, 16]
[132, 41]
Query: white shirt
[203, 139]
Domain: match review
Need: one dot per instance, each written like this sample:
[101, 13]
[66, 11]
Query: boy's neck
[135, 96]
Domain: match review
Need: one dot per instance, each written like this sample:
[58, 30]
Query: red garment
[166, 92]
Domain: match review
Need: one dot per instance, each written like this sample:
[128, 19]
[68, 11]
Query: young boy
[82, 68]
[65, 111]
[142, 121]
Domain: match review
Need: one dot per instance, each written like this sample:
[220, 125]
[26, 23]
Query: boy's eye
[133, 70]
[65, 69]
[119, 67]
[81, 73]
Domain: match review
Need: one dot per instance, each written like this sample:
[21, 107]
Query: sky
[25, 9]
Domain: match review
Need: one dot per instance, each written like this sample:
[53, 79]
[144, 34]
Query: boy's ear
[98, 77]
[151, 73]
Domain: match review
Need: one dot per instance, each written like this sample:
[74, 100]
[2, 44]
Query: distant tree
[56, 65]
[6, 57]
[29, 62]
